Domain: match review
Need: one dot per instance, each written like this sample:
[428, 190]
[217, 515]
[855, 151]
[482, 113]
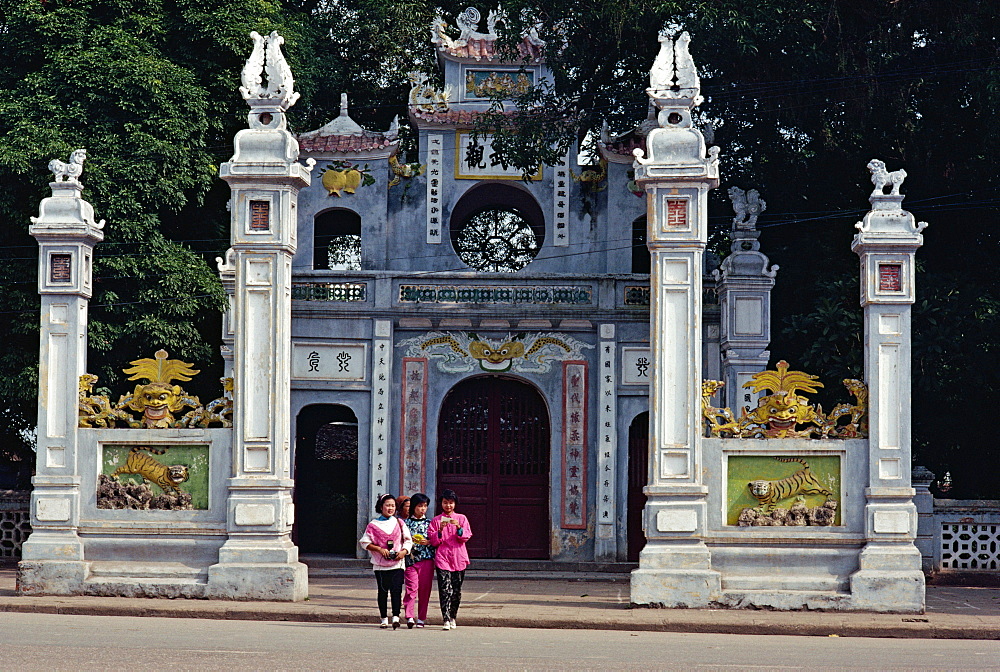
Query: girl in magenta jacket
[449, 532]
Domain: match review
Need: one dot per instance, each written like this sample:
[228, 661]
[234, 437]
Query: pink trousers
[417, 580]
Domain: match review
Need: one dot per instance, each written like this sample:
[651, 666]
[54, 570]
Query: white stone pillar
[744, 282]
[52, 557]
[676, 173]
[605, 543]
[259, 560]
[382, 401]
[227, 275]
[890, 577]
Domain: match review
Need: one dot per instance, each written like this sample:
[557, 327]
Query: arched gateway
[493, 450]
[326, 479]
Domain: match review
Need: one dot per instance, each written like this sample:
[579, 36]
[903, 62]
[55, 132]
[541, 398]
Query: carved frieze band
[574, 453]
[480, 294]
[413, 425]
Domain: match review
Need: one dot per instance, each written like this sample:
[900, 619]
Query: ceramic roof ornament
[343, 135]
[673, 79]
[471, 43]
[267, 103]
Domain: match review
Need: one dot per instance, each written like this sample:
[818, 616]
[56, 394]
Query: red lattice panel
[890, 278]
[60, 269]
[677, 212]
[260, 215]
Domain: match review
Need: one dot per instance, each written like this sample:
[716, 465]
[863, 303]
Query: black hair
[381, 501]
[448, 494]
[417, 499]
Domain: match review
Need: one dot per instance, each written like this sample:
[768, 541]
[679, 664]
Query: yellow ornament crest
[779, 414]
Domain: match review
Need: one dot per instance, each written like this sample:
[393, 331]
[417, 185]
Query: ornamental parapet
[780, 414]
[155, 403]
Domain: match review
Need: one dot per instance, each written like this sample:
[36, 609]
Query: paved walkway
[595, 602]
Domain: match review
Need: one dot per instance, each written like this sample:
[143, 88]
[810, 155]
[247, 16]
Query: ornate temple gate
[493, 451]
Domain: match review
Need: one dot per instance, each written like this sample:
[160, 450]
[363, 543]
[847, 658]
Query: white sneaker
[446, 626]
[454, 624]
[395, 622]
[384, 623]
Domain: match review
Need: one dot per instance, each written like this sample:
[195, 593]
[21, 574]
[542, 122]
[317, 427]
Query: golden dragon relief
[155, 403]
[779, 414]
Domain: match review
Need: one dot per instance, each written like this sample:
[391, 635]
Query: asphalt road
[79, 643]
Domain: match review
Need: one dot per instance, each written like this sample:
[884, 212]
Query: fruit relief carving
[347, 177]
[155, 403]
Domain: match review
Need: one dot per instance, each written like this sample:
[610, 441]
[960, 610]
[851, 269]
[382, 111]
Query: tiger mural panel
[139, 472]
[767, 483]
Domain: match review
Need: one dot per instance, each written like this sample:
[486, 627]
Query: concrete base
[676, 589]
[889, 579]
[283, 582]
[888, 592]
[786, 600]
[50, 577]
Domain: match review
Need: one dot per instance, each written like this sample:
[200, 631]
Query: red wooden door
[638, 474]
[493, 451]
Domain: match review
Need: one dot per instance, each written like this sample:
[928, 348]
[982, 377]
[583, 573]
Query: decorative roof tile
[365, 142]
[344, 135]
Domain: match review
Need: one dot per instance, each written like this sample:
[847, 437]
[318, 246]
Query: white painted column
[676, 173]
[744, 282]
[227, 274]
[890, 576]
[52, 557]
[259, 560]
[605, 545]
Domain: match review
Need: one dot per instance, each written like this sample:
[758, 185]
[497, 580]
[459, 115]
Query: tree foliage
[149, 89]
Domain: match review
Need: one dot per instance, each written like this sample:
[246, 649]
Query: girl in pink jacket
[449, 532]
[387, 539]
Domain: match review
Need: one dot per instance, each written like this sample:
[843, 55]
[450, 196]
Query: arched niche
[337, 240]
[326, 479]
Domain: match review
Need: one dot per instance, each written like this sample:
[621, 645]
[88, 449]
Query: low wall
[15, 521]
[959, 539]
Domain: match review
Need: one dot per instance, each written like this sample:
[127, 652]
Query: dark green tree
[150, 90]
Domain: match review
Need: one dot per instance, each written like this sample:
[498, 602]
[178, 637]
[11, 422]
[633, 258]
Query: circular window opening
[497, 240]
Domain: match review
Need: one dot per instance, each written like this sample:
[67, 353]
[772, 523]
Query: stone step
[147, 572]
[322, 561]
[777, 583]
